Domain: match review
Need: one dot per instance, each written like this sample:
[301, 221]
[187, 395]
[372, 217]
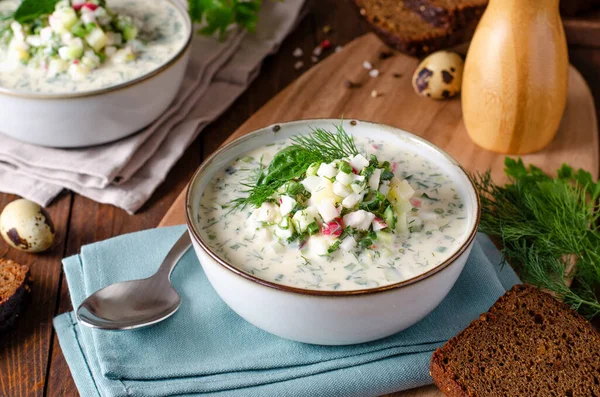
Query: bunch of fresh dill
[293, 161]
[548, 228]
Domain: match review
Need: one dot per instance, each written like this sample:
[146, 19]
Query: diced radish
[394, 166]
[284, 234]
[351, 200]
[348, 243]
[90, 6]
[318, 245]
[328, 210]
[267, 212]
[360, 219]
[384, 189]
[333, 228]
[302, 219]
[359, 162]
[378, 224]
[327, 170]
[46, 33]
[374, 179]
[311, 183]
[415, 202]
[343, 178]
[286, 205]
[88, 17]
[341, 190]
[428, 216]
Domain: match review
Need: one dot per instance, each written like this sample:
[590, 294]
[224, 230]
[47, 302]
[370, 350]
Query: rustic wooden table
[31, 361]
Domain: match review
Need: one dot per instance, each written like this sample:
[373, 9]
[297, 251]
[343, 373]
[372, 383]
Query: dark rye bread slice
[528, 344]
[14, 288]
[403, 29]
[452, 14]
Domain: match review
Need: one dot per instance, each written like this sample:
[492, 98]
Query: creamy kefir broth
[438, 225]
[165, 32]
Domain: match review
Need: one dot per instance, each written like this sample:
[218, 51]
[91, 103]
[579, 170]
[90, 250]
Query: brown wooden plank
[24, 349]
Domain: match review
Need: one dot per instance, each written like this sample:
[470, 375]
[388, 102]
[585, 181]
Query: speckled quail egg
[26, 226]
[439, 76]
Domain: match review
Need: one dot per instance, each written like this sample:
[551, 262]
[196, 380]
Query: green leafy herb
[292, 162]
[31, 9]
[548, 229]
[219, 15]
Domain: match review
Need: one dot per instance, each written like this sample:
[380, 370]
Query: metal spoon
[136, 303]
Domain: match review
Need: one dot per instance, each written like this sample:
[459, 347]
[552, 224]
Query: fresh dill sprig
[330, 145]
[293, 161]
[548, 229]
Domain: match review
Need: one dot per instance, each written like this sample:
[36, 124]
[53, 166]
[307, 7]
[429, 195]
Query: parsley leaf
[218, 15]
[31, 9]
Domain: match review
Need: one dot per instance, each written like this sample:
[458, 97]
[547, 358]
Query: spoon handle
[181, 246]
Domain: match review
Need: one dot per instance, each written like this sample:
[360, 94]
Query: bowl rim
[327, 293]
[126, 84]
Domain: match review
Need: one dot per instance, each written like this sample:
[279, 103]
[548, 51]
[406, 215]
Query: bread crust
[12, 306]
[455, 19]
[441, 368]
[428, 40]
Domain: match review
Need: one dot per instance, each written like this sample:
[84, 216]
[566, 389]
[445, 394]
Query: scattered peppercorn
[385, 54]
[397, 75]
[325, 44]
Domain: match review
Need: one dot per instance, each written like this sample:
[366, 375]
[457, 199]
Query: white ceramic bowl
[94, 117]
[330, 317]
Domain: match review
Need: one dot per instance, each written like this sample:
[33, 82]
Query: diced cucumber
[130, 32]
[97, 39]
[79, 30]
[78, 71]
[57, 66]
[312, 169]
[124, 55]
[384, 237]
[302, 219]
[90, 59]
[390, 217]
[70, 53]
[63, 19]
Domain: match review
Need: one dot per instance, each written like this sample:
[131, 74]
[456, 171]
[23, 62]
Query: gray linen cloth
[126, 173]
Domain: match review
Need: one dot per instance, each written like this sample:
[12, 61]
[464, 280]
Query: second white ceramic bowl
[95, 117]
[330, 317]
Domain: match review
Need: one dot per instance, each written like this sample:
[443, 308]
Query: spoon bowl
[136, 303]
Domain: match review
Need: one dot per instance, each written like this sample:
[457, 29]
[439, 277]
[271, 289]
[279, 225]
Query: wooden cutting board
[321, 93]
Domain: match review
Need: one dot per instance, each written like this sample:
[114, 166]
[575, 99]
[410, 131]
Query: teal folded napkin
[207, 349]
